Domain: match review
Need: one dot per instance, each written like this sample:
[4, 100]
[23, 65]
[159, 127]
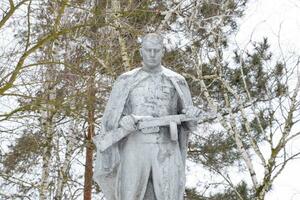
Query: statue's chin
[152, 65]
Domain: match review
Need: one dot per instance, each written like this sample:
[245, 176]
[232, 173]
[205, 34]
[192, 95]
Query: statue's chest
[154, 96]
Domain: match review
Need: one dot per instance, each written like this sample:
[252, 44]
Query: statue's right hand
[128, 123]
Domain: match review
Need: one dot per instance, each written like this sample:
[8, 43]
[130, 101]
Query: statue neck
[152, 70]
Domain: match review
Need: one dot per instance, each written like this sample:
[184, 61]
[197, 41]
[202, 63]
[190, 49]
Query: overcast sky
[273, 18]
[279, 20]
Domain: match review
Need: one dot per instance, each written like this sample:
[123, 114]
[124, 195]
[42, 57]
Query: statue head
[152, 50]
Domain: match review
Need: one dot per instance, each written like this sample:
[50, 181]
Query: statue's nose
[152, 53]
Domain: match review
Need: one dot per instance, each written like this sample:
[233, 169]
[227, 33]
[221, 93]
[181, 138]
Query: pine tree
[75, 49]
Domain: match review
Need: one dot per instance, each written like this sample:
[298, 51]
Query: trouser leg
[134, 172]
[168, 172]
[150, 195]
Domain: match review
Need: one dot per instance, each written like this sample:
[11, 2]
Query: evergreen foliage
[66, 56]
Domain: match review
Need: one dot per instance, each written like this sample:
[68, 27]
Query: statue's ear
[141, 54]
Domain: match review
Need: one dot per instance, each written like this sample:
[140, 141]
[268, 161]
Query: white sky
[264, 18]
[270, 18]
[273, 18]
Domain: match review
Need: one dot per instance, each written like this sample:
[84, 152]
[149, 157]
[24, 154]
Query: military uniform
[156, 157]
[144, 163]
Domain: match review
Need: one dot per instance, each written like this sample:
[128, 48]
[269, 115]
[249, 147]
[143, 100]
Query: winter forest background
[59, 59]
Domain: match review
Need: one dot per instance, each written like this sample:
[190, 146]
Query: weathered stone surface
[145, 164]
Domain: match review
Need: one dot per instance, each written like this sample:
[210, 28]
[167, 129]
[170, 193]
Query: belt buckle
[154, 129]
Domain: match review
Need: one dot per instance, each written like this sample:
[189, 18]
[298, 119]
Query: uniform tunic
[155, 158]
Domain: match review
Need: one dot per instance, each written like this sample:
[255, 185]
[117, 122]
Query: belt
[151, 138]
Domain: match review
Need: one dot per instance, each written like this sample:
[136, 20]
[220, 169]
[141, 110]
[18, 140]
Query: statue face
[152, 53]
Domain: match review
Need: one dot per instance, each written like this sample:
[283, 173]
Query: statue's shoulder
[171, 74]
[128, 74]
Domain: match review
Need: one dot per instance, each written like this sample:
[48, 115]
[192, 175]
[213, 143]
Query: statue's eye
[154, 50]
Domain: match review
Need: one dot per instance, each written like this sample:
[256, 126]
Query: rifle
[146, 125]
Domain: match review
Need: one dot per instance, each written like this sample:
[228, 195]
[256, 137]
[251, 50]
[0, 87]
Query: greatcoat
[108, 161]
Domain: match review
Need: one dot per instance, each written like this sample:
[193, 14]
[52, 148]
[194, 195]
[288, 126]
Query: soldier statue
[141, 150]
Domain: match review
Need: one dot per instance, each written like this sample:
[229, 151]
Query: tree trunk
[63, 171]
[88, 176]
[48, 131]
[46, 158]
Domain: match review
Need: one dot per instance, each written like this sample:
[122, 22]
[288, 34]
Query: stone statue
[141, 150]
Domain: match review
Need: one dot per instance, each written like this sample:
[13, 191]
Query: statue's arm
[187, 107]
